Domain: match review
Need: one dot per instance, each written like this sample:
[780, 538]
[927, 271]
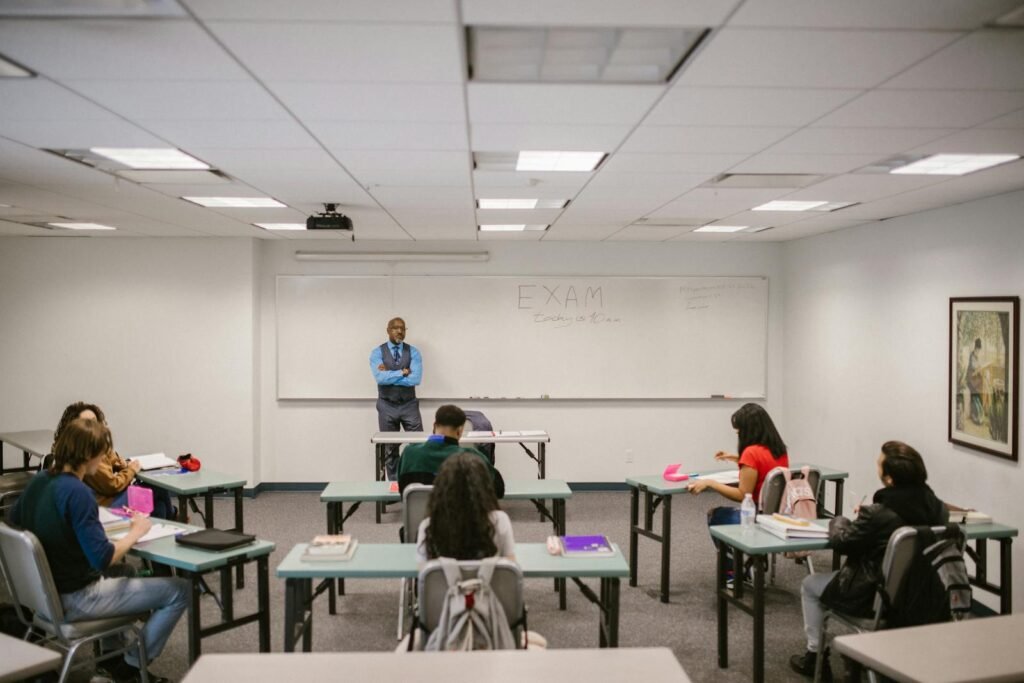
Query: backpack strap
[787, 474]
[452, 574]
[486, 570]
[806, 472]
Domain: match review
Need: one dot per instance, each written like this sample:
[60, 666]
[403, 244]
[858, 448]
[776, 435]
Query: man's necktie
[394, 352]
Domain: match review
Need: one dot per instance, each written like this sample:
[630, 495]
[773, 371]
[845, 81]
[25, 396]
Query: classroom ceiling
[368, 103]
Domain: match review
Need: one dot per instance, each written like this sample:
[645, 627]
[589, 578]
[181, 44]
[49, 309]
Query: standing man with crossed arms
[398, 368]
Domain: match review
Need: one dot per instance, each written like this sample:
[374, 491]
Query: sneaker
[804, 665]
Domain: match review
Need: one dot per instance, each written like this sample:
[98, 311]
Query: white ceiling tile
[597, 12]
[770, 162]
[189, 100]
[517, 216]
[880, 14]
[424, 197]
[408, 169]
[923, 109]
[762, 218]
[629, 184]
[641, 233]
[863, 187]
[118, 50]
[702, 139]
[856, 140]
[560, 103]
[78, 134]
[397, 135]
[1014, 120]
[433, 103]
[983, 60]
[801, 58]
[335, 52]
[977, 141]
[232, 134]
[802, 229]
[532, 183]
[501, 137]
[672, 163]
[716, 203]
[397, 11]
[688, 106]
[593, 232]
[37, 99]
[501, 236]
[587, 215]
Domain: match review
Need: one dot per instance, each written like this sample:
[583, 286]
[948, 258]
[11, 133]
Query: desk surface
[657, 484]
[21, 660]
[534, 436]
[515, 489]
[398, 560]
[652, 665]
[36, 441]
[191, 483]
[166, 551]
[974, 650]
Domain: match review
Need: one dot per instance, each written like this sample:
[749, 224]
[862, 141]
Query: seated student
[463, 520]
[904, 500]
[61, 511]
[420, 462]
[114, 475]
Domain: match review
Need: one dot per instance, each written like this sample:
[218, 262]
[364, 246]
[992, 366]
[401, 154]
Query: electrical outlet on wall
[629, 455]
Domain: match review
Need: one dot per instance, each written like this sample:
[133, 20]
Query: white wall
[326, 440]
[159, 333]
[866, 345]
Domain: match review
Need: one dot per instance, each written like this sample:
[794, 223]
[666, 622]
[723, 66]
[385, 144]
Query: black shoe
[121, 671]
[804, 665]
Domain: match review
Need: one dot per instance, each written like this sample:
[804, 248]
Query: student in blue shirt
[60, 510]
[397, 368]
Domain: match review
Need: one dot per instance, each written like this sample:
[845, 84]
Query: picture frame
[984, 374]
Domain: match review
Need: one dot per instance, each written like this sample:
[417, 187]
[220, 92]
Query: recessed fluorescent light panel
[82, 226]
[783, 205]
[9, 69]
[521, 203]
[511, 228]
[163, 158]
[281, 226]
[236, 202]
[558, 161]
[954, 164]
[721, 228]
[522, 54]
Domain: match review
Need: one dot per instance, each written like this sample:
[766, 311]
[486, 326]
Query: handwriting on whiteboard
[697, 297]
[564, 305]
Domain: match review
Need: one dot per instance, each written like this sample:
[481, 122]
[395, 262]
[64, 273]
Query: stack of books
[112, 522]
[330, 548]
[788, 528]
[969, 517]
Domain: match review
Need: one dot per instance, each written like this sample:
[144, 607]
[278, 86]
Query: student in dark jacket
[905, 500]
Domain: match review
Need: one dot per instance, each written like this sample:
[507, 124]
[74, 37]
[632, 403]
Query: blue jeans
[723, 515]
[166, 598]
[811, 590]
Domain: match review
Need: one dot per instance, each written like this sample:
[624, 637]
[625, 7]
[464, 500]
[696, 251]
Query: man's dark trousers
[389, 417]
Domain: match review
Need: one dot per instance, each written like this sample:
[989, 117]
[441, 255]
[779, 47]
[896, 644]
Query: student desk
[651, 665]
[188, 485]
[193, 564]
[35, 442]
[956, 652]
[398, 560]
[23, 660]
[657, 491]
[759, 543]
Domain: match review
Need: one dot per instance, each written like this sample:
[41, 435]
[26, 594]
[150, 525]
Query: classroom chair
[506, 581]
[27, 572]
[770, 502]
[896, 564]
[414, 510]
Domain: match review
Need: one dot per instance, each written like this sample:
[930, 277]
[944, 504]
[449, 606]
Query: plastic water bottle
[747, 513]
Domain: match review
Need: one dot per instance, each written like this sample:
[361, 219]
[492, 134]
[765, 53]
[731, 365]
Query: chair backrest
[479, 422]
[27, 572]
[506, 582]
[414, 509]
[896, 564]
[775, 484]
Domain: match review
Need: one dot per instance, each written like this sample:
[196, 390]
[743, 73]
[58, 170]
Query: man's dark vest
[390, 392]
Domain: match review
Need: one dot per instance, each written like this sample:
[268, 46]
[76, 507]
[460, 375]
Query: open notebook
[153, 461]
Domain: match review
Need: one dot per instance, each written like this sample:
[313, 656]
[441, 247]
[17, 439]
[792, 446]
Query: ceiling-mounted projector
[330, 219]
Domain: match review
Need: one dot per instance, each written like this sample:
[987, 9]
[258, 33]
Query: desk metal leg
[183, 509]
[838, 511]
[194, 625]
[612, 604]
[634, 519]
[1005, 576]
[335, 524]
[208, 509]
[666, 543]
[240, 527]
[263, 593]
[558, 509]
[379, 474]
[759, 563]
[227, 594]
[543, 459]
[723, 608]
[290, 613]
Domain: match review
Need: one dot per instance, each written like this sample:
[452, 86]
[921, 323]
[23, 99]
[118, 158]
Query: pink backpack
[797, 497]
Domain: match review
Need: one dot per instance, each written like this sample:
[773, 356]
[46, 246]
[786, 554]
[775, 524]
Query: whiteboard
[527, 337]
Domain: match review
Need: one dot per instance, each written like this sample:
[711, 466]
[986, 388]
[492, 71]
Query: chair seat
[74, 630]
[858, 623]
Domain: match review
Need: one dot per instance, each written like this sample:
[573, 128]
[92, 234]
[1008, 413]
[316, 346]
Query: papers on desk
[153, 461]
[330, 548]
[787, 531]
[969, 517]
[155, 532]
[111, 522]
[526, 434]
[724, 477]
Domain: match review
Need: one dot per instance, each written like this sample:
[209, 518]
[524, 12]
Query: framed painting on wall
[983, 373]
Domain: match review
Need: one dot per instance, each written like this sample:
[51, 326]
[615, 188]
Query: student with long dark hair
[464, 521]
[904, 500]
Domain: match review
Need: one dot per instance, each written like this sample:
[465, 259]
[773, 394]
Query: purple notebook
[586, 545]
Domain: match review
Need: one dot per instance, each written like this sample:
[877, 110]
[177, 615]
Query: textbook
[789, 531]
[586, 546]
[969, 517]
[112, 522]
[331, 553]
[153, 461]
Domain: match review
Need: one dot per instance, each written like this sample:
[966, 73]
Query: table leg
[723, 608]
[1005, 576]
[758, 615]
[335, 526]
[227, 595]
[838, 512]
[291, 606]
[240, 527]
[612, 605]
[194, 624]
[379, 474]
[854, 669]
[542, 455]
[307, 597]
[183, 509]
[558, 508]
[208, 509]
[634, 519]
[263, 593]
[666, 543]
[26, 460]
